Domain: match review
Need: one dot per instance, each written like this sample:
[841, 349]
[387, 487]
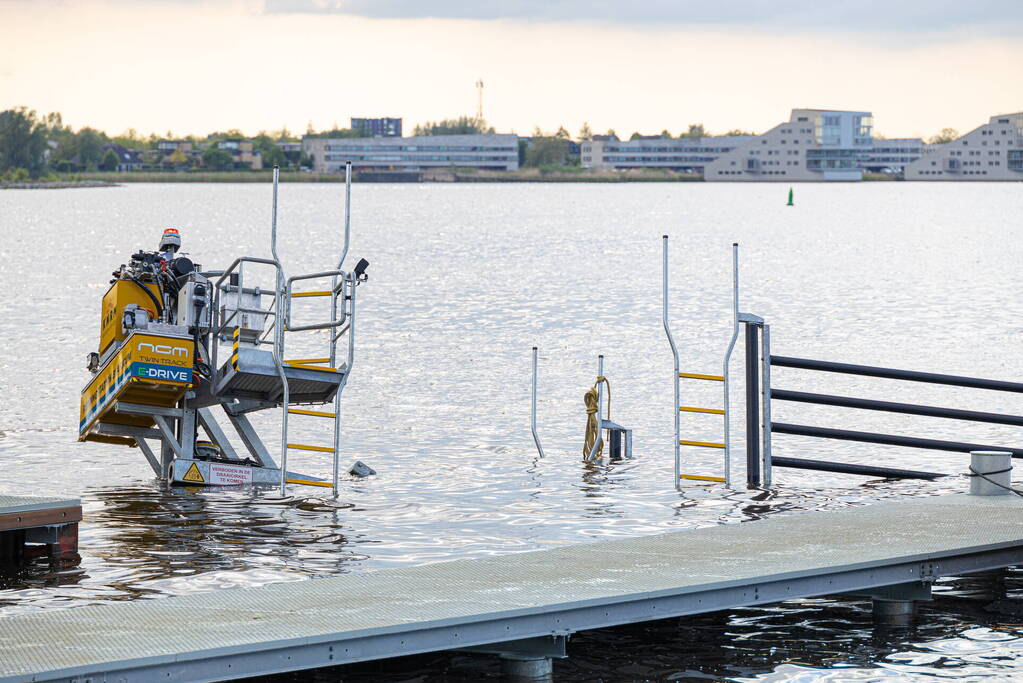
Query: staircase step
[314, 413]
[304, 447]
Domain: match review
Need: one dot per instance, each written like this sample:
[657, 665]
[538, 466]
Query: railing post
[765, 393]
[674, 353]
[532, 412]
[752, 406]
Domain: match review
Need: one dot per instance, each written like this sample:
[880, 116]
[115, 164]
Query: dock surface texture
[481, 602]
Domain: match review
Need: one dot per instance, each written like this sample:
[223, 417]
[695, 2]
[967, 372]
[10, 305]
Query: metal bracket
[209, 423]
[750, 318]
[141, 409]
[167, 436]
[914, 590]
[529, 648]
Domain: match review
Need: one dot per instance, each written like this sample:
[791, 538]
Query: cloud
[986, 16]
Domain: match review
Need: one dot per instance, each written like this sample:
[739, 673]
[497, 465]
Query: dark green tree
[109, 162]
[463, 125]
[585, 133]
[22, 141]
[217, 159]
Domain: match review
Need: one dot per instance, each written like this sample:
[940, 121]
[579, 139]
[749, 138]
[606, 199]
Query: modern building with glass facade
[993, 151]
[380, 127]
[688, 155]
[495, 151]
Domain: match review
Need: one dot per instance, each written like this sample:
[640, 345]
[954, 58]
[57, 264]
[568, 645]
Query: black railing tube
[887, 439]
[752, 405]
[845, 468]
[891, 407]
[890, 373]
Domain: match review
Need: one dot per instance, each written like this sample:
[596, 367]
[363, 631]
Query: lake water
[464, 280]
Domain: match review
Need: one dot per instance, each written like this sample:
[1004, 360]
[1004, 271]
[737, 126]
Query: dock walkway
[39, 522]
[493, 603]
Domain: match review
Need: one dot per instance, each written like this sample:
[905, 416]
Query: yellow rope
[590, 399]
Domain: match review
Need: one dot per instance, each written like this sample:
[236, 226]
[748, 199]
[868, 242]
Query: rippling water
[464, 280]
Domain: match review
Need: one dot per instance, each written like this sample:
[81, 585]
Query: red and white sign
[229, 475]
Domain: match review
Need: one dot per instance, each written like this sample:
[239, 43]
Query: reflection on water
[464, 281]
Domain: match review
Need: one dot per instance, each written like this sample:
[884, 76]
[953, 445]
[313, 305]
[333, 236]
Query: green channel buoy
[791, 203]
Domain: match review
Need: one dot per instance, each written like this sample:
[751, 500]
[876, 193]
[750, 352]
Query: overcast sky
[193, 67]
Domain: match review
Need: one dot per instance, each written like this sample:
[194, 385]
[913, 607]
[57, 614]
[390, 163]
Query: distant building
[242, 153]
[378, 128]
[127, 159]
[491, 151]
[290, 146]
[993, 151]
[891, 155]
[678, 154]
[176, 154]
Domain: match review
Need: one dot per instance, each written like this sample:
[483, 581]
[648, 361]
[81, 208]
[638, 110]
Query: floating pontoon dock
[521, 605]
[50, 522]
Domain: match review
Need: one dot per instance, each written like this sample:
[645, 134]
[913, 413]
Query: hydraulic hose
[159, 306]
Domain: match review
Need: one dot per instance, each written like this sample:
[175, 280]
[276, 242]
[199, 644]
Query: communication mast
[479, 106]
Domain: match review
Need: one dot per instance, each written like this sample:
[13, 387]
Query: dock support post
[894, 612]
[990, 473]
[752, 406]
[765, 395]
[524, 668]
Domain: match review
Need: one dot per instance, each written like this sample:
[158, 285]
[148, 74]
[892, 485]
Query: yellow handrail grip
[701, 477]
[696, 375]
[703, 444]
[325, 292]
[693, 409]
[310, 482]
[303, 447]
[314, 413]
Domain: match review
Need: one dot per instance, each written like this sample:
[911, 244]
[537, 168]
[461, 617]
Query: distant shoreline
[529, 175]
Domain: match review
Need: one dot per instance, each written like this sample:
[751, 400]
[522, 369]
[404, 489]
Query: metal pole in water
[532, 414]
[752, 407]
[674, 353]
[765, 346]
[728, 356]
[279, 319]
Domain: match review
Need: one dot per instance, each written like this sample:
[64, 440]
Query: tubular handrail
[532, 412]
[335, 290]
[279, 339]
[891, 373]
[728, 357]
[219, 325]
[674, 353]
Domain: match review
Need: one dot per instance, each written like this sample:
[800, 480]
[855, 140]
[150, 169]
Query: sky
[193, 67]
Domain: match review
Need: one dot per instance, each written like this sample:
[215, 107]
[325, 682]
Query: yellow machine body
[150, 369]
[120, 294]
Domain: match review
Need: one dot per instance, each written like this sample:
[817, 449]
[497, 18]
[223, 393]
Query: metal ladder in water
[341, 324]
[723, 378]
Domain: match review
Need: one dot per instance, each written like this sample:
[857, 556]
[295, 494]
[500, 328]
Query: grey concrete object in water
[361, 469]
[997, 467]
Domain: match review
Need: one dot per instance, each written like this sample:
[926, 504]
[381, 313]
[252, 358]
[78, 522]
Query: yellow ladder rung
[704, 444]
[314, 413]
[325, 292]
[695, 375]
[693, 409]
[310, 482]
[303, 366]
[701, 477]
[302, 361]
[303, 447]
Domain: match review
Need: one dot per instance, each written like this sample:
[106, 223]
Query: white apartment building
[495, 151]
[814, 144]
[993, 151]
[688, 155]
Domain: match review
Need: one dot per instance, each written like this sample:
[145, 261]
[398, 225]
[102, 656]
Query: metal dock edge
[497, 600]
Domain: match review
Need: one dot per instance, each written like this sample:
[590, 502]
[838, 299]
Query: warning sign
[229, 475]
[194, 475]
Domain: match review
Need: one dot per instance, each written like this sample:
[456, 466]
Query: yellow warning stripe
[237, 331]
[318, 293]
[700, 477]
[303, 447]
[693, 409]
[704, 444]
[310, 482]
[694, 375]
[314, 413]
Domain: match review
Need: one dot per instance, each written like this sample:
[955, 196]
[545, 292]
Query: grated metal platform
[454, 605]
